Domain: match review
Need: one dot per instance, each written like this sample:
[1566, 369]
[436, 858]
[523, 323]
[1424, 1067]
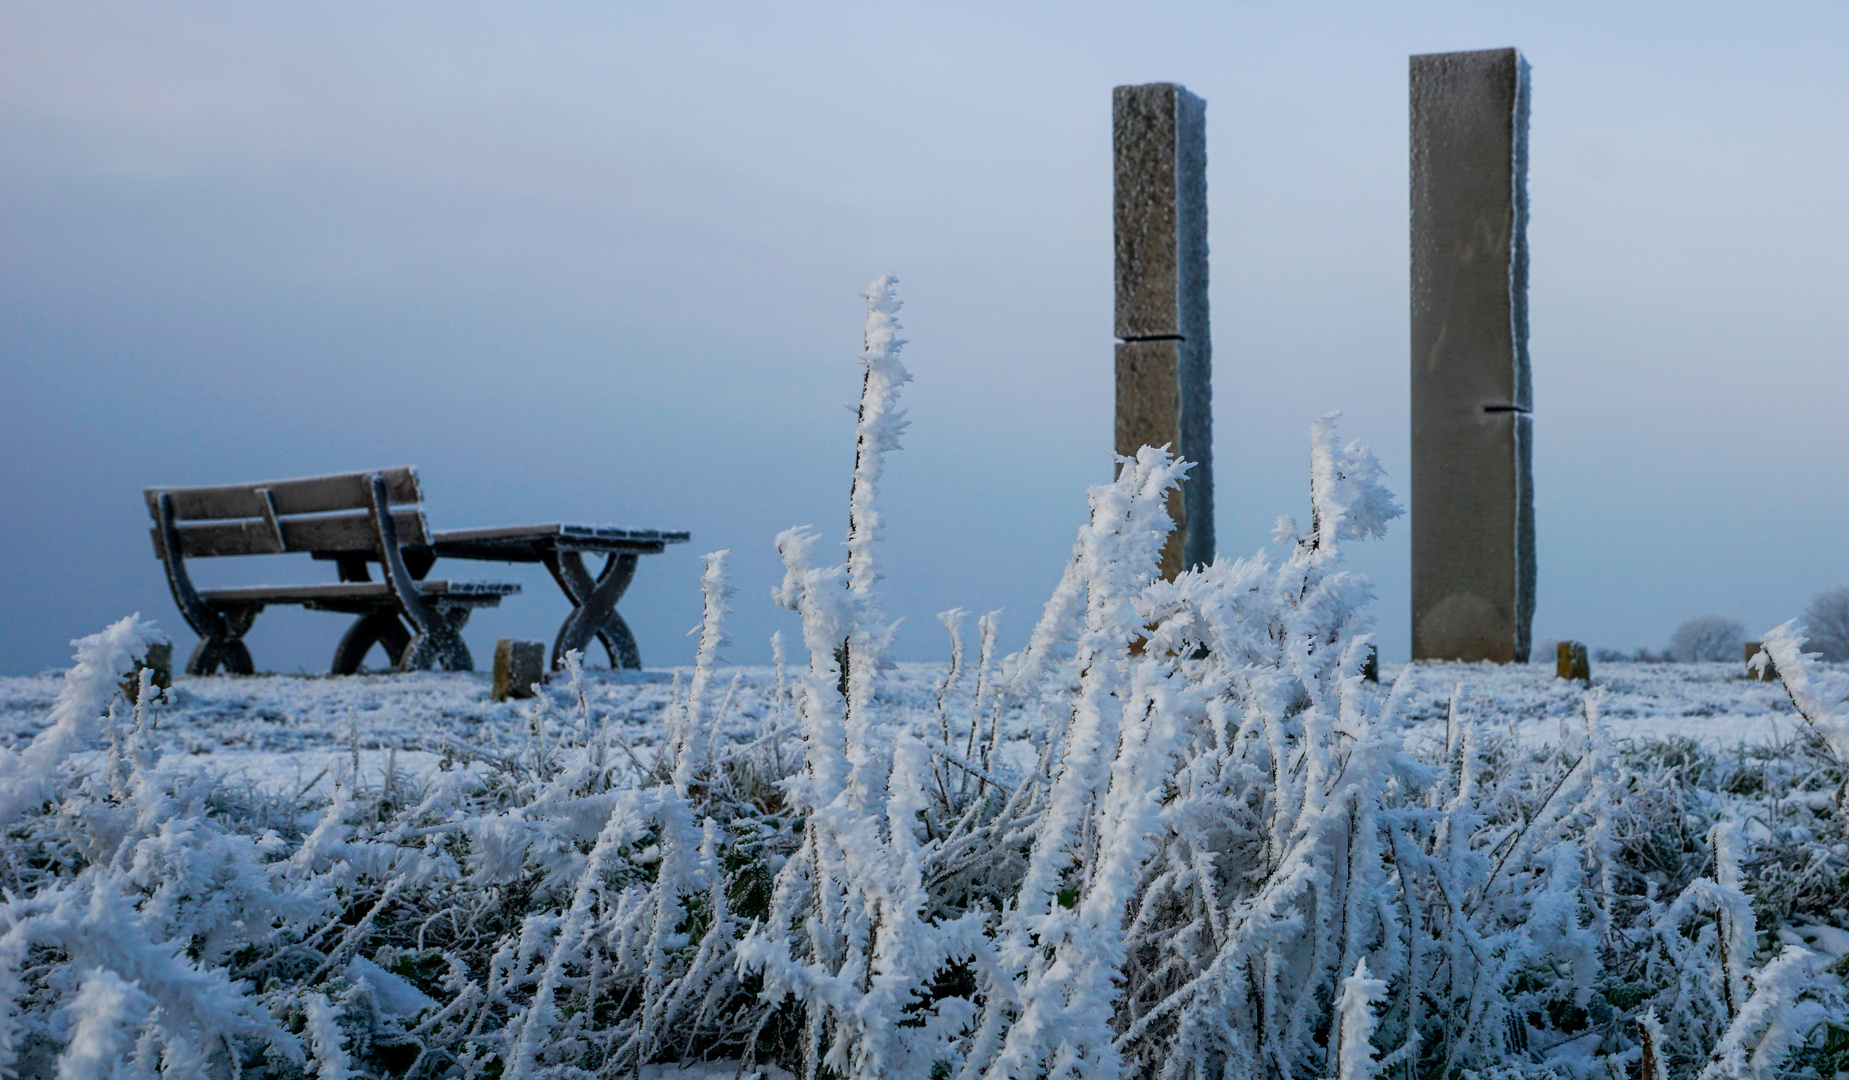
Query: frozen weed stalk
[1177, 835]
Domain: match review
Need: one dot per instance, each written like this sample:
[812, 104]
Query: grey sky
[594, 263]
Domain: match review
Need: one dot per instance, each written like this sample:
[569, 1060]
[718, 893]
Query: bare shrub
[1827, 622]
[1707, 637]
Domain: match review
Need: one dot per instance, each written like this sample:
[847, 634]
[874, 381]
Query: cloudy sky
[601, 263]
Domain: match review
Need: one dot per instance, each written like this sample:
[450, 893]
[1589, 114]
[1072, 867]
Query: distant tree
[1708, 637]
[1826, 620]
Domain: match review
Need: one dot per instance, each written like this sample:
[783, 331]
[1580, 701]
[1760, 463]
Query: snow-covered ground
[289, 734]
[1712, 703]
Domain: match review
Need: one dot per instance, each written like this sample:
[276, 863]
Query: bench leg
[380, 627]
[439, 643]
[436, 622]
[594, 608]
[222, 644]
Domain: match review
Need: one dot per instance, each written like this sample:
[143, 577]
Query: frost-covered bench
[352, 519]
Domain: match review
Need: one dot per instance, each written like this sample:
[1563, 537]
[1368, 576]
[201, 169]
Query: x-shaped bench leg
[593, 609]
[221, 641]
[437, 640]
[221, 628]
[436, 626]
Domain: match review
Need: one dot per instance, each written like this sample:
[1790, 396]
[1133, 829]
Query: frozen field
[289, 734]
[1174, 835]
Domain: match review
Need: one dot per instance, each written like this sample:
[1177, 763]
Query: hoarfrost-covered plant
[160, 899]
[1355, 1060]
[1820, 696]
[846, 931]
[1170, 712]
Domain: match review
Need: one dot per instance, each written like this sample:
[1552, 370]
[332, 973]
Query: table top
[532, 543]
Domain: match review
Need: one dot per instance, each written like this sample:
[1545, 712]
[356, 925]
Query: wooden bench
[353, 519]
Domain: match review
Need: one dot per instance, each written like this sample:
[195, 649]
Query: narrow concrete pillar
[1164, 350]
[1473, 570]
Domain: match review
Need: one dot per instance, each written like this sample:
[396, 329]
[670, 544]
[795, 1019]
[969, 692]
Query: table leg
[594, 607]
[438, 643]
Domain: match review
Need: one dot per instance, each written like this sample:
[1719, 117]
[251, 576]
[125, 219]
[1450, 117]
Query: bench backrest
[315, 513]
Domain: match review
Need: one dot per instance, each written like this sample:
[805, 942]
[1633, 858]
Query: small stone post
[159, 660]
[1769, 673]
[1571, 661]
[517, 666]
[1164, 351]
[1473, 569]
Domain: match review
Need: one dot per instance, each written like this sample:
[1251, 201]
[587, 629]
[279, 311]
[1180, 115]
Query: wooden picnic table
[562, 549]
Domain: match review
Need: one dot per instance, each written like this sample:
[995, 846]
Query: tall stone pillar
[1164, 352]
[1472, 493]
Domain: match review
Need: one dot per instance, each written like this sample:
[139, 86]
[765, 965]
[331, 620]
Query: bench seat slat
[306, 495]
[351, 590]
[327, 532]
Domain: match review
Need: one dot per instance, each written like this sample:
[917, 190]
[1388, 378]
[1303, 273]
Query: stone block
[1472, 495]
[517, 666]
[1572, 662]
[1770, 672]
[1165, 352]
[159, 661]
